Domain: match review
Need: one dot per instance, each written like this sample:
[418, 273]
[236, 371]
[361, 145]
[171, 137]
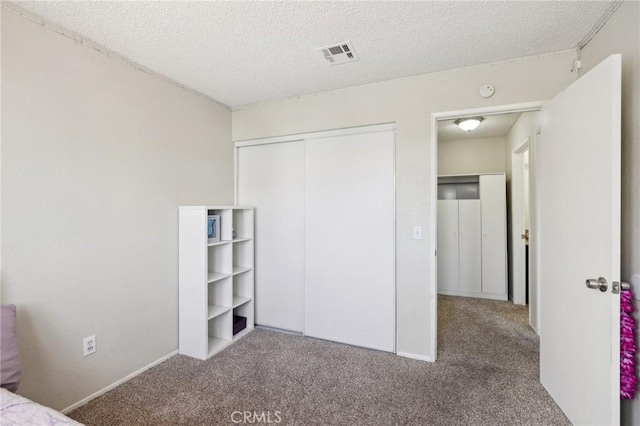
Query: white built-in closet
[472, 241]
[325, 241]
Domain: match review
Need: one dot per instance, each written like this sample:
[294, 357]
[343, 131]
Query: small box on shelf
[244, 308]
[239, 324]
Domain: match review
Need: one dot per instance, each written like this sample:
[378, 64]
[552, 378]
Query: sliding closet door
[350, 273]
[271, 178]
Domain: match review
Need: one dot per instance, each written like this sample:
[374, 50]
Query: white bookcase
[216, 280]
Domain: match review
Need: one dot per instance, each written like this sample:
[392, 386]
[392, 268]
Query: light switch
[417, 232]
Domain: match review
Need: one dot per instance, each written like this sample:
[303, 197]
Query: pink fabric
[11, 371]
[628, 379]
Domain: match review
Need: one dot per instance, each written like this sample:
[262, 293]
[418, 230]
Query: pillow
[9, 355]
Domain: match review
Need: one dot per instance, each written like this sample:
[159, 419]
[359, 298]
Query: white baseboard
[119, 382]
[473, 294]
[414, 356]
[279, 330]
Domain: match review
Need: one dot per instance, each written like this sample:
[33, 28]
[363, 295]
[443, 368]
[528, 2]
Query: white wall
[96, 158]
[409, 102]
[621, 34]
[481, 155]
[524, 128]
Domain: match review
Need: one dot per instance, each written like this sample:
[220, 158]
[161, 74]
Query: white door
[578, 160]
[493, 193]
[271, 178]
[448, 245]
[350, 240]
[469, 246]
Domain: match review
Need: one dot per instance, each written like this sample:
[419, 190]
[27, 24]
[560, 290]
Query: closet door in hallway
[469, 247]
[472, 236]
[494, 235]
[448, 245]
[459, 247]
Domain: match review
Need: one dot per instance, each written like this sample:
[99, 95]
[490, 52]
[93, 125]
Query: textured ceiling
[243, 53]
[491, 126]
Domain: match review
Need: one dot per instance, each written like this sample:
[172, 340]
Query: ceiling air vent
[339, 53]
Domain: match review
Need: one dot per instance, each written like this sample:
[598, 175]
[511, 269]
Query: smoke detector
[339, 53]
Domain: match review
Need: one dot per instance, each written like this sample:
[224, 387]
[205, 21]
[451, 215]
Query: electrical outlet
[89, 345]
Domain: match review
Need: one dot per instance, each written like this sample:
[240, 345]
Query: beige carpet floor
[486, 374]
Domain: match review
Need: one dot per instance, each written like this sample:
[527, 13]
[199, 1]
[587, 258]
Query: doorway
[580, 263]
[524, 287]
[524, 121]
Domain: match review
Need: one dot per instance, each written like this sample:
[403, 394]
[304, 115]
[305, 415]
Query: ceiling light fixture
[468, 124]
